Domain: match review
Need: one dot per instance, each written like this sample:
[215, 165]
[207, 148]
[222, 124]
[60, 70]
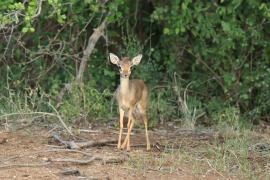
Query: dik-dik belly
[126, 104]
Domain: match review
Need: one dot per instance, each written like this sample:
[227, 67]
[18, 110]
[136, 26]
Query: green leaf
[25, 29]
[166, 31]
[225, 26]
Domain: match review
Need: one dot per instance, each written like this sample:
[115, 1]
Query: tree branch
[98, 32]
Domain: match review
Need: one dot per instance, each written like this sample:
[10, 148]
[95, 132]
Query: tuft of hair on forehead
[125, 59]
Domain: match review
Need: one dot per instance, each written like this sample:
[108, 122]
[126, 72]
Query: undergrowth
[86, 103]
[236, 156]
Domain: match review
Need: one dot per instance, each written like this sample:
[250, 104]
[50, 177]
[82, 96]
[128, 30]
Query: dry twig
[85, 161]
[78, 145]
[41, 113]
[77, 161]
[24, 165]
[68, 172]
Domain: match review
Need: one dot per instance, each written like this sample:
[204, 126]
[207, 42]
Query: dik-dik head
[125, 64]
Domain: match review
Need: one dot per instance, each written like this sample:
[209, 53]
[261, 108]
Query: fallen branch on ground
[108, 161]
[68, 150]
[85, 161]
[115, 160]
[44, 151]
[24, 165]
[68, 172]
[79, 145]
[72, 160]
[90, 131]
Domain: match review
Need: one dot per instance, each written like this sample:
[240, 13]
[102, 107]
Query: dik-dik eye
[120, 69]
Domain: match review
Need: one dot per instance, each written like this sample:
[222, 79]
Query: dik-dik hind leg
[145, 120]
[121, 112]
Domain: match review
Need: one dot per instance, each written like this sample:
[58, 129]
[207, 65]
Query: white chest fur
[123, 94]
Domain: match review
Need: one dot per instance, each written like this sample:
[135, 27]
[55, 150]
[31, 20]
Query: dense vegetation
[205, 62]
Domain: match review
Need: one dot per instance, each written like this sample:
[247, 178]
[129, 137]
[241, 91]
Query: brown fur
[132, 98]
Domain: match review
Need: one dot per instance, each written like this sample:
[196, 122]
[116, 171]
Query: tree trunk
[98, 32]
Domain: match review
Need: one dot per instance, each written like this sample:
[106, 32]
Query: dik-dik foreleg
[129, 127]
[121, 120]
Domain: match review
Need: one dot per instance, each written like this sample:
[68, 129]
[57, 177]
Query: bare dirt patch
[25, 154]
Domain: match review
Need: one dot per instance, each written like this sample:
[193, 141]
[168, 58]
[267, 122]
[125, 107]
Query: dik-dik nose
[125, 75]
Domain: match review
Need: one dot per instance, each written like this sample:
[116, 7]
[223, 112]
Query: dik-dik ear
[136, 60]
[114, 59]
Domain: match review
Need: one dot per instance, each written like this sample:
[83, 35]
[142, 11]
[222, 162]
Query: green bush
[220, 47]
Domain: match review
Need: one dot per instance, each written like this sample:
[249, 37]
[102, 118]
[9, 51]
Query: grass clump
[86, 103]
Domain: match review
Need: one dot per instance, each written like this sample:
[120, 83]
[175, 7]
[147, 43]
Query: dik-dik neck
[124, 85]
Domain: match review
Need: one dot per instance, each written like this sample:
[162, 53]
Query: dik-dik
[132, 97]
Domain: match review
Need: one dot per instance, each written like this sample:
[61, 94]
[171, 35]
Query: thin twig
[135, 15]
[44, 151]
[24, 165]
[68, 150]
[210, 165]
[199, 58]
[77, 161]
[90, 160]
[60, 119]
[38, 10]
[90, 131]
[42, 113]
[9, 39]
[78, 145]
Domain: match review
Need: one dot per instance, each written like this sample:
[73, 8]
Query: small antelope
[132, 97]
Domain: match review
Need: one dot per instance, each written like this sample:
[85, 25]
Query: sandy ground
[30, 147]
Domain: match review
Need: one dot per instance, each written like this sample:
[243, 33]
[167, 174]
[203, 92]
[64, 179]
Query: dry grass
[185, 154]
[242, 155]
